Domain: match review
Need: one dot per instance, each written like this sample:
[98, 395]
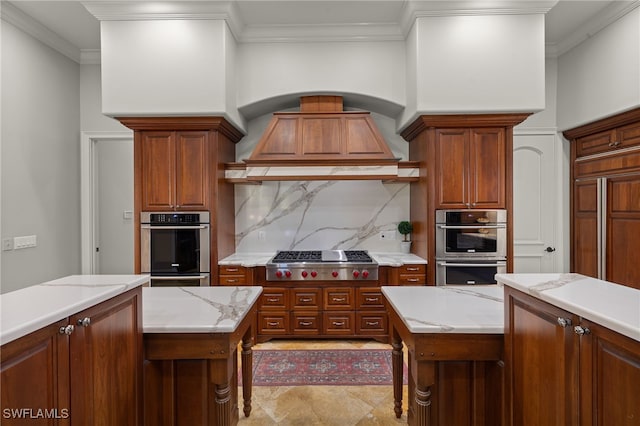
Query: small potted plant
[405, 228]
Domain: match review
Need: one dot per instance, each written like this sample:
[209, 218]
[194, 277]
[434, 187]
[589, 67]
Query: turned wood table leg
[222, 406]
[397, 363]
[247, 373]
[423, 405]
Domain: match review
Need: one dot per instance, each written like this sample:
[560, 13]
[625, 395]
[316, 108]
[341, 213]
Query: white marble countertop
[196, 309]
[612, 305]
[449, 309]
[29, 309]
[250, 260]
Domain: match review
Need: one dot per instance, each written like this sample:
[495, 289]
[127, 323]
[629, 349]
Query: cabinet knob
[84, 322]
[581, 330]
[564, 322]
[67, 329]
[614, 144]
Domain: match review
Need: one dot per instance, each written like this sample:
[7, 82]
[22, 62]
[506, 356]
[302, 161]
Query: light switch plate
[24, 242]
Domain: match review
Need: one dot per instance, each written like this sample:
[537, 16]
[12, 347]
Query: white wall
[91, 117]
[40, 160]
[601, 76]
[374, 69]
[480, 63]
[166, 67]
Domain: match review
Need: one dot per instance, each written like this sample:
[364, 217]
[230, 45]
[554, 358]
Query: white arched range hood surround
[321, 142]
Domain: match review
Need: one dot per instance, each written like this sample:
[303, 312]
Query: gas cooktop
[322, 265]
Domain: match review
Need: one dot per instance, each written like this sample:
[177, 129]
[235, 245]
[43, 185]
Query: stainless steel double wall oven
[471, 246]
[174, 248]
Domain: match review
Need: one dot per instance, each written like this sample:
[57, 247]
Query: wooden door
[452, 168]
[584, 251]
[34, 375]
[192, 170]
[609, 378]
[623, 230]
[106, 362]
[487, 168]
[158, 170]
[541, 361]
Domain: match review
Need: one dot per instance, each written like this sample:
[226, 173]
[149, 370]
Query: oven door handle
[472, 227]
[178, 277]
[174, 227]
[472, 265]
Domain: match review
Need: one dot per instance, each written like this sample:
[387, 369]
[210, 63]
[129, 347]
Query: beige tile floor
[323, 405]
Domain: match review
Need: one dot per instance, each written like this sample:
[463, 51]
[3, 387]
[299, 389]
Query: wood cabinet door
[158, 170]
[452, 166]
[487, 168]
[623, 230]
[34, 378]
[192, 170]
[585, 228]
[542, 363]
[609, 378]
[106, 362]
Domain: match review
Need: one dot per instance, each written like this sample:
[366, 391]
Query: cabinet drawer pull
[338, 299]
[305, 299]
[67, 329]
[84, 322]
[411, 269]
[564, 322]
[305, 323]
[338, 323]
[413, 280]
[614, 144]
[231, 280]
[273, 299]
[273, 323]
[372, 299]
[372, 323]
[232, 269]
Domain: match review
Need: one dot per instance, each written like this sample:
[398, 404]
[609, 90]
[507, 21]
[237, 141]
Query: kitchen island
[191, 336]
[62, 341]
[454, 338]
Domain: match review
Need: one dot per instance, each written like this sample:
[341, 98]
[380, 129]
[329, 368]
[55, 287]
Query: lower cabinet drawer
[406, 279]
[371, 323]
[338, 298]
[339, 323]
[274, 323]
[307, 323]
[274, 299]
[233, 280]
[308, 298]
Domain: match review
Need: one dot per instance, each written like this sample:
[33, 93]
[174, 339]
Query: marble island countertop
[449, 309]
[250, 260]
[614, 306]
[196, 309]
[31, 308]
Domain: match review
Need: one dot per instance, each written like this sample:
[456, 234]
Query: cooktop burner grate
[359, 256]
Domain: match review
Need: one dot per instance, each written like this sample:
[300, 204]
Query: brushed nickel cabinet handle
[371, 324]
[306, 299]
[338, 323]
[66, 329]
[564, 322]
[338, 299]
[372, 299]
[410, 269]
[84, 322]
[232, 269]
[273, 299]
[305, 323]
[273, 324]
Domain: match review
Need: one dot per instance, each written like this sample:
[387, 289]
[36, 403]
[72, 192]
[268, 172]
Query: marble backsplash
[315, 215]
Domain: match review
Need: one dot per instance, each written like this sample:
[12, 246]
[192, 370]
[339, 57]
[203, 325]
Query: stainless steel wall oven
[471, 246]
[174, 248]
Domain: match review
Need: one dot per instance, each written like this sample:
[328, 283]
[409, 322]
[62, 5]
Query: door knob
[550, 249]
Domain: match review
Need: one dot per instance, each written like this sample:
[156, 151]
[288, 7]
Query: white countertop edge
[614, 324]
[48, 318]
[202, 328]
[250, 260]
[418, 328]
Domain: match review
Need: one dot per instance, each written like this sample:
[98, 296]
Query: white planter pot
[405, 246]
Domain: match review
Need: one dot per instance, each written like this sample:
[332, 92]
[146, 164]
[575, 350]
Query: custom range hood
[321, 142]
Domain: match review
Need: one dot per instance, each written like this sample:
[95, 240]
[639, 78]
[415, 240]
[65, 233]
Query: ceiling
[567, 23]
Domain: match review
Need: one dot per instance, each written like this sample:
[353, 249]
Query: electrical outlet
[7, 244]
[388, 235]
[24, 242]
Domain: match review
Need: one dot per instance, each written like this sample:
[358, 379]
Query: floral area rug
[335, 367]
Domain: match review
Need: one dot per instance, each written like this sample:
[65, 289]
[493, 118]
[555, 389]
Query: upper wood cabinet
[605, 198]
[471, 165]
[175, 170]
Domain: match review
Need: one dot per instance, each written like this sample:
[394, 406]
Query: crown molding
[603, 19]
[24, 22]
